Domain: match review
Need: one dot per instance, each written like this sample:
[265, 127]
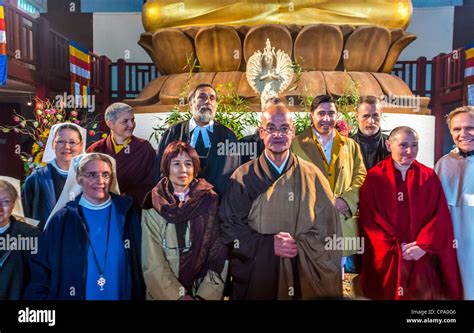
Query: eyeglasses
[6, 203]
[63, 143]
[95, 175]
[273, 130]
[168, 246]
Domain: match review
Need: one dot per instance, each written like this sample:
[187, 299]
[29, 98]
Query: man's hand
[341, 206]
[411, 251]
[285, 245]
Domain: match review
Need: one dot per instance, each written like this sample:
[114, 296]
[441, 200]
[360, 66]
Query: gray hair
[9, 188]
[94, 157]
[114, 110]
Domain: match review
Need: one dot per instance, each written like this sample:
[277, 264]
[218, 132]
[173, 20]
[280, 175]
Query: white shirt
[196, 129]
[282, 166]
[327, 148]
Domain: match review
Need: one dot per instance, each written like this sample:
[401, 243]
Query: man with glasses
[277, 213]
[204, 134]
[338, 158]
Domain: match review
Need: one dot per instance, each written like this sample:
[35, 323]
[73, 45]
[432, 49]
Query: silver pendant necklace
[102, 280]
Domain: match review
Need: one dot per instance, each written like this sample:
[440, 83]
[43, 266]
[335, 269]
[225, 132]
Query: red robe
[135, 167]
[386, 222]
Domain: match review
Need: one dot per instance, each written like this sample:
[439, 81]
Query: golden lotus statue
[333, 41]
[158, 14]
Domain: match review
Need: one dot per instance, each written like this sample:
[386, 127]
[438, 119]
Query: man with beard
[410, 250]
[338, 158]
[372, 146]
[369, 136]
[278, 213]
[205, 135]
[456, 171]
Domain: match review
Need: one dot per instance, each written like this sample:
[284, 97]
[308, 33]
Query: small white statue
[268, 79]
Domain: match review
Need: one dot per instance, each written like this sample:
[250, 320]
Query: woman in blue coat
[90, 248]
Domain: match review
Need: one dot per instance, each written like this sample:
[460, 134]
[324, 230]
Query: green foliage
[347, 104]
[301, 122]
[233, 111]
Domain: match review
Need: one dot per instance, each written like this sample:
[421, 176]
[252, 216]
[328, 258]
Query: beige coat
[160, 265]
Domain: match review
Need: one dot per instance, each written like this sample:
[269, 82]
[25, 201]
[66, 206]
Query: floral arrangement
[46, 114]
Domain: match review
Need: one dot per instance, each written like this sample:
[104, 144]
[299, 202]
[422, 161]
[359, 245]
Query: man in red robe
[135, 157]
[404, 217]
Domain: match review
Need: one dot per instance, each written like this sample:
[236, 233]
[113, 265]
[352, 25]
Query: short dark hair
[322, 99]
[369, 99]
[174, 149]
[200, 86]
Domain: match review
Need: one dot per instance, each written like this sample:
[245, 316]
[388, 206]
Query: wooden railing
[58, 54]
[21, 35]
[128, 79]
[417, 75]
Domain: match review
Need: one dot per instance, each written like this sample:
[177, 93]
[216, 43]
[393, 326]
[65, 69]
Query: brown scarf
[207, 252]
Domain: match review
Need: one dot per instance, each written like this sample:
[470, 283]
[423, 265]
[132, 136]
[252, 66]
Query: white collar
[182, 195]
[58, 169]
[5, 228]
[320, 138]
[196, 129]
[193, 125]
[282, 166]
[89, 205]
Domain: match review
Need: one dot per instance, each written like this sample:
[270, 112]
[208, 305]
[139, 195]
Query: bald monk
[278, 212]
[410, 249]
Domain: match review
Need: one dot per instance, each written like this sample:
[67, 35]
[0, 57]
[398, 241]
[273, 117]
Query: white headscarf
[49, 153]
[72, 189]
[18, 208]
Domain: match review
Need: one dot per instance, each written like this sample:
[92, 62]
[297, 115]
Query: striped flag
[469, 71]
[3, 47]
[80, 67]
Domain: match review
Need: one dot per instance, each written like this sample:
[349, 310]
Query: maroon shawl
[207, 252]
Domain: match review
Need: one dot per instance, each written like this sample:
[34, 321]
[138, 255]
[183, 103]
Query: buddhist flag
[469, 71]
[3, 47]
[80, 66]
